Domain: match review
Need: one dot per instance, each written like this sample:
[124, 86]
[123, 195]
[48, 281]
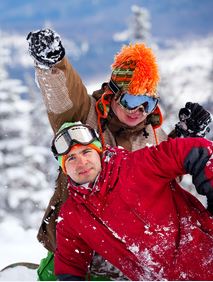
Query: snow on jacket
[140, 220]
[66, 99]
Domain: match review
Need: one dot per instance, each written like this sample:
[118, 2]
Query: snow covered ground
[19, 273]
[19, 245]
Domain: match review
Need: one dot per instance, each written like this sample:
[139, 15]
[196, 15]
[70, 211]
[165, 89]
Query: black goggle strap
[114, 87]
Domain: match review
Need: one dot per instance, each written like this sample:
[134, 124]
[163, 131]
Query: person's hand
[194, 121]
[45, 47]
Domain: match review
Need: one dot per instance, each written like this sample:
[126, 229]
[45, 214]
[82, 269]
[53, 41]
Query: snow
[20, 272]
[19, 245]
[134, 249]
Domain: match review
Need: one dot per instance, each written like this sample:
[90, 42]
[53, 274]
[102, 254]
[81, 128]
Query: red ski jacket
[138, 218]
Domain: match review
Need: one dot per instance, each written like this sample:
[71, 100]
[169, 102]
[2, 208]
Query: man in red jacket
[127, 207]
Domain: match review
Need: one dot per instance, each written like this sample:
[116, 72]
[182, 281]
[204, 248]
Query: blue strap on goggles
[132, 102]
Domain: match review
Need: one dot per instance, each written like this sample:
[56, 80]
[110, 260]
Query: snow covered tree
[139, 26]
[26, 163]
[13, 139]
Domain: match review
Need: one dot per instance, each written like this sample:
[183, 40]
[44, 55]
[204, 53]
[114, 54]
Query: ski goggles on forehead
[65, 139]
[133, 102]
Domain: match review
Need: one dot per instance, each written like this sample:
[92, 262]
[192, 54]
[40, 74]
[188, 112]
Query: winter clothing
[63, 83]
[135, 70]
[45, 46]
[66, 99]
[46, 269]
[194, 121]
[138, 218]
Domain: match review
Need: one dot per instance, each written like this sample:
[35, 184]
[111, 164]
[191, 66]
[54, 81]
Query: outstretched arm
[64, 94]
[177, 157]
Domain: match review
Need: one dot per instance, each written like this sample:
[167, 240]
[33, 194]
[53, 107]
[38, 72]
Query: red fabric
[138, 218]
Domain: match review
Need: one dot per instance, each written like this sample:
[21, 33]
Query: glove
[194, 121]
[45, 47]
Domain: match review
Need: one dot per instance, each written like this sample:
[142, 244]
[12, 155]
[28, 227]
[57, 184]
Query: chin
[86, 180]
[132, 123]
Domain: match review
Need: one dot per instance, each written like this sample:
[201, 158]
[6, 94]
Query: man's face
[83, 164]
[129, 118]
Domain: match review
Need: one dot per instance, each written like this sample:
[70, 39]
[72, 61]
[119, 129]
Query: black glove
[194, 121]
[45, 47]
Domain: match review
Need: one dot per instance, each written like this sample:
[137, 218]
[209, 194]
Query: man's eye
[71, 158]
[87, 151]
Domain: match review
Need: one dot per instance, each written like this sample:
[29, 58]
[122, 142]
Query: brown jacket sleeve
[64, 94]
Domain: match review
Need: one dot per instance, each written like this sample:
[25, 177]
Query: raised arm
[64, 94]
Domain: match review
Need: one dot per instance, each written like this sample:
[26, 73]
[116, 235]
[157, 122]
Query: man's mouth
[85, 171]
[133, 117]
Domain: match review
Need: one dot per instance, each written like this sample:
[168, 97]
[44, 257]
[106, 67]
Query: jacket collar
[105, 181]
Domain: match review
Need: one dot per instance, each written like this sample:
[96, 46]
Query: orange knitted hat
[135, 70]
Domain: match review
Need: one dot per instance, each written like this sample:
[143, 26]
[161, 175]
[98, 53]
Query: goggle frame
[145, 102]
[69, 141]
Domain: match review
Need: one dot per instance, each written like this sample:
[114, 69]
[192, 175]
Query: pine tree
[13, 136]
[26, 163]
[140, 25]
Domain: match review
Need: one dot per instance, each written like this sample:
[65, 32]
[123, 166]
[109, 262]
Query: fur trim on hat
[135, 70]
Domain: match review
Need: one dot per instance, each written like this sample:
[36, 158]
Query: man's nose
[81, 160]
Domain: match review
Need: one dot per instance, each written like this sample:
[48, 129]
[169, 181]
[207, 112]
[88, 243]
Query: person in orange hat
[125, 111]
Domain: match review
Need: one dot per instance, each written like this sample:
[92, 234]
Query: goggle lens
[61, 143]
[132, 102]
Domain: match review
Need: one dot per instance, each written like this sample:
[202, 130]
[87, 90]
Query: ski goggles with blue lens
[66, 138]
[133, 102]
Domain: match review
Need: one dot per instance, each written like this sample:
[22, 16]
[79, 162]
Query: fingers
[194, 121]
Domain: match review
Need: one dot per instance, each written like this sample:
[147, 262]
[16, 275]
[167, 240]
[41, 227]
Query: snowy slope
[18, 245]
[19, 273]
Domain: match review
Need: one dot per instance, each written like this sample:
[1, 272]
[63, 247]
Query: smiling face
[130, 118]
[83, 164]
